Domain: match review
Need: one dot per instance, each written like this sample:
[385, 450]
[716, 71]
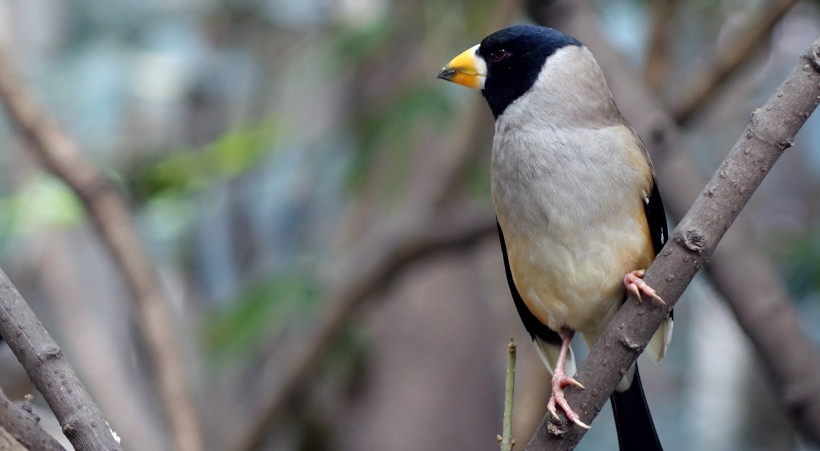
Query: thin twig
[770, 132]
[703, 85]
[505, 439]
[109, 213]
[81, 419]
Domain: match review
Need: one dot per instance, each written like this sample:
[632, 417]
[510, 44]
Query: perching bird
[579, 213]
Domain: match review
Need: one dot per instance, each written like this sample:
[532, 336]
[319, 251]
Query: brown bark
[79, 416]
[24, 426]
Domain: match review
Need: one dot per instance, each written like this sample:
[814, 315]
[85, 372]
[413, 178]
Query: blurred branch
[373, 267]
[656, 68]
[702, 86]
[109, 212]
[791, 373]
[79, 416]
[425, 230]
[24, 426]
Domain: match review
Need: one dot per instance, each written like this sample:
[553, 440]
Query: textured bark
[770, 132]
[79, 416]
[24, 426]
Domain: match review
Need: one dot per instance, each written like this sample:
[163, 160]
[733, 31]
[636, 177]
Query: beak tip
[446, 74]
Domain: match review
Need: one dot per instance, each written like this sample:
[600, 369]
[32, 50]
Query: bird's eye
[499, 55]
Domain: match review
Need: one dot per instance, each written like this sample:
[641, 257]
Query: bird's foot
[559, 381]
[634, 283]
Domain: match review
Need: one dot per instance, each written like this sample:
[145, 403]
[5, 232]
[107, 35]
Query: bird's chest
[574, 225]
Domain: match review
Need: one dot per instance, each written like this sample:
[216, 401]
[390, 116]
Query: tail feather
[636, 431]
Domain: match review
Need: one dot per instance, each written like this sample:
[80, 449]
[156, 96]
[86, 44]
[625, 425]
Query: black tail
[636, 431]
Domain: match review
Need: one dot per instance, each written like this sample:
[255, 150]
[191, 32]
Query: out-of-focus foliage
[394, 127]
[186, 170]
[352, 44]
[800, 260]
[264, 306]
[45, 202]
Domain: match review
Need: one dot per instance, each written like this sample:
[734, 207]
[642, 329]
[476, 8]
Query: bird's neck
[569, 92]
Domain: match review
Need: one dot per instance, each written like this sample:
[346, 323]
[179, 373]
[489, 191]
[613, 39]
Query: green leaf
[259, 311]
[187, 170]
[43, 203]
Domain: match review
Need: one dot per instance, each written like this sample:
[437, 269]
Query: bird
[578, 209]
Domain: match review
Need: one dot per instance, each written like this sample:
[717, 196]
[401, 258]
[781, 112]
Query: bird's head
[507, 63]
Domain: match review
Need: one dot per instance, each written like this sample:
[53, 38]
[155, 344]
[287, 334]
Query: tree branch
[770, 132]
[79, 416]
[109, 213]
[24, 426]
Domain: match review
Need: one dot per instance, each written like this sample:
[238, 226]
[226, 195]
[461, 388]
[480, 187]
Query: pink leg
[561, 380]
[633, 281]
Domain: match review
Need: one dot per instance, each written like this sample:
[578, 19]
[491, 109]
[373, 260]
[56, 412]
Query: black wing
[656, 217]
[535, 327]
[636, 430]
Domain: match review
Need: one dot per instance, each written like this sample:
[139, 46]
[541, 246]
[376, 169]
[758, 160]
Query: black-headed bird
[579, 212]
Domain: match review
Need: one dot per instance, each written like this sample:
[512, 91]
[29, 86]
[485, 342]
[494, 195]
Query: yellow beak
[467, 69]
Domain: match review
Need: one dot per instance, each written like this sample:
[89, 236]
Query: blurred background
[316, 207]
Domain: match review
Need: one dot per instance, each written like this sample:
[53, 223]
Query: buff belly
[572, 277]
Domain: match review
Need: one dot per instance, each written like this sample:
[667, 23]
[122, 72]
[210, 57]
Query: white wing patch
[660, 341]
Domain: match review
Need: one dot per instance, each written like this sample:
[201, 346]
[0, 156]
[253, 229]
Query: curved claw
[559, 381]
[573, 381]
[581, 423]
[634, 282]
[558, 398]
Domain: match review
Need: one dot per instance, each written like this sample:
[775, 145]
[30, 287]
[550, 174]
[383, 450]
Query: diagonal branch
[109, 213]
[81, 419]
[771, 131]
